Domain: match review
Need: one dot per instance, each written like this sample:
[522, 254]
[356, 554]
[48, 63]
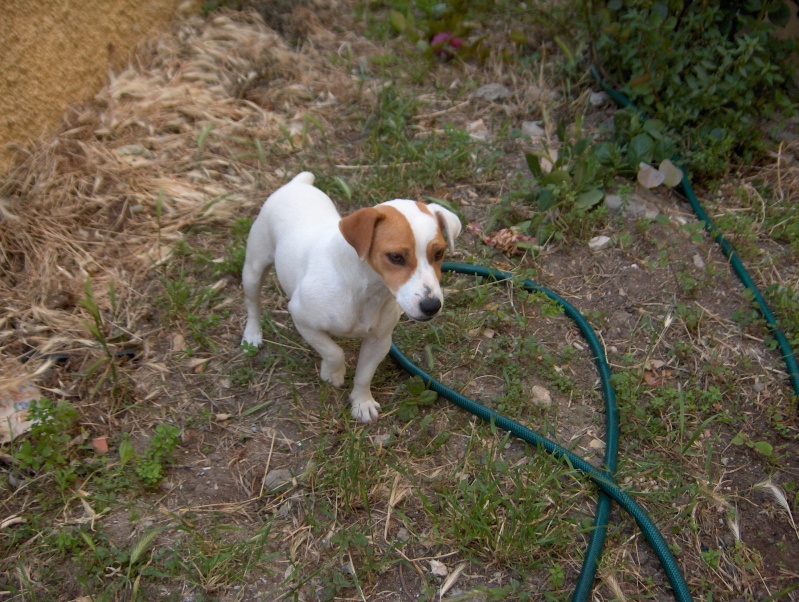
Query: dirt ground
[146, 183]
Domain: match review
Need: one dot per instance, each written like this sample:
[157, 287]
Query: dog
[350, 277]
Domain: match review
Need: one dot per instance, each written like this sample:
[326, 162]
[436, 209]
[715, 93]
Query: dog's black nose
[430, 306]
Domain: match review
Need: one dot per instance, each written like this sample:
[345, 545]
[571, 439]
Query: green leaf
[640, 150]
[557, 177]
[589, 198]
[407, 411]
[738, 439]
[126, 451]
[427, 398]
[345, 188]
[606, 153]
[534, 164]
[398, 21]
[764, 447]
[415, 386]
[546, 199]
[779, 14]
[654, 127]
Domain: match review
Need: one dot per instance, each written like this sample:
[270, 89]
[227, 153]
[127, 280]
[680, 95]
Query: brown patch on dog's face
[393, 250]
[358, 229]
[436, 249]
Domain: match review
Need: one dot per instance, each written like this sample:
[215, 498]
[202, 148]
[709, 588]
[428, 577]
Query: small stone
[637, 206]
[178, 343]
[493, 92]
[599, 242]
[532, 129]
[477, 130]
[699, 262]
[597, 99]
[596, 444]
[541, 396]
[613, 202]
[402, 534]
[277, 479]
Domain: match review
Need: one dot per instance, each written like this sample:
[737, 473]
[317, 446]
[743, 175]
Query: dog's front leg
[373, 351]
[333, 365]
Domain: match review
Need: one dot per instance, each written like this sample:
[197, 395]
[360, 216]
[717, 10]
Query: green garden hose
[603, 478]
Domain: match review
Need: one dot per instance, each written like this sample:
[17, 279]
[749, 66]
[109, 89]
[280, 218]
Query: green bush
[709, 70]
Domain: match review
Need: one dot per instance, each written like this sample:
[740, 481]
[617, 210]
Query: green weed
[707, 71]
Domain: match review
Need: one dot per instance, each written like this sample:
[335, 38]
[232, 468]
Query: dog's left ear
[448, 222]
[359, 228]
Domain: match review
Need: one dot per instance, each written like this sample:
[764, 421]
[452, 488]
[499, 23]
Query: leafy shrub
[708, 70]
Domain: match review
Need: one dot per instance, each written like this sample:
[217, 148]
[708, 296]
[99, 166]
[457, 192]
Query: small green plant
[107, 336]
[150, 465]
[762, 447]
[418, 396]
[46, 448]
[708, 70]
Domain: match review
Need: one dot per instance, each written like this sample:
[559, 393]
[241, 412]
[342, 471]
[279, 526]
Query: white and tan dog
[350, 277]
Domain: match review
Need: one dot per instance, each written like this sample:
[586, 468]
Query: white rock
[613, 202]
[532, 129]
[541, 396]
[477, 130]
[599, 242]
[597, 99]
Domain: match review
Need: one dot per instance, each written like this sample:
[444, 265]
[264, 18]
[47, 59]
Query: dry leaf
[649, 177]
[672, 175]
[100, 444]
[439, 569]
[652, 378]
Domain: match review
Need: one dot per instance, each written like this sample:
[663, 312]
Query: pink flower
[445, 45]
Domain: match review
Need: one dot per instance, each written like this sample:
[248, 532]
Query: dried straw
[110, 195]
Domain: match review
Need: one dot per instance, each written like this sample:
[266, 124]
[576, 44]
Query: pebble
[493, 92]
[613, 202]
[277, 479]
[599, 242]
[698, 261]
[541, 396]
[532, 129]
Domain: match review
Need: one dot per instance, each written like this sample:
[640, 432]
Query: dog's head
[404, 242]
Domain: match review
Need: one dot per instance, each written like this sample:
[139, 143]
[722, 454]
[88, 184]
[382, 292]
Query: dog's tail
[305, 177]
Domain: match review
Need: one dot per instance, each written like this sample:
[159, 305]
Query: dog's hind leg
[260, 257]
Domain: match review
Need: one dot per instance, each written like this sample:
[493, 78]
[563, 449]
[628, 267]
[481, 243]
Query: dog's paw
[365, 410]
[252, 338]
[333, 373]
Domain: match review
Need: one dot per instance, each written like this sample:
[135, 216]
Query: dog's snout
[430, 306]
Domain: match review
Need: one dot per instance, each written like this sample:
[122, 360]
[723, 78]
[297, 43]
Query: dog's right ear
[359, 228]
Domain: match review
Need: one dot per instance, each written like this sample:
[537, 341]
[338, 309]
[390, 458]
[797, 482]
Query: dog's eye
[439, 255]
[396, 258]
